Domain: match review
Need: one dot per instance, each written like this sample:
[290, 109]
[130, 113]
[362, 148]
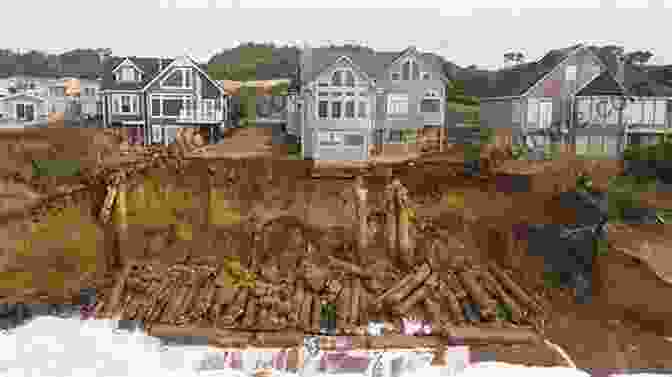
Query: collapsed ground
[459, 214]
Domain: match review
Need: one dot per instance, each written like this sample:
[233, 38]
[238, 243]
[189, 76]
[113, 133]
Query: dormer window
[425, 76]
[127, 74]
[127, 71]
[395, 76]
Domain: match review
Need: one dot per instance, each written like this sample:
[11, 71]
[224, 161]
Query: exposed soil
[292, 229]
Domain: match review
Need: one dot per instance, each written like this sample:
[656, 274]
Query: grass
[462, 108]
[552, 279]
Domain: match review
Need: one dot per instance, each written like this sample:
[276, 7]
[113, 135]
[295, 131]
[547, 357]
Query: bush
[56, 168]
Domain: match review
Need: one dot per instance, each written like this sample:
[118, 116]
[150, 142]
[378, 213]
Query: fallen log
[475, 335]
[453, 303]
[516, 313]
[117, 290]
[233, 338]
[349, 267]
[343, 303]
[284, 339]
[487, 306]
[188, 303]
[236, 309]
[250, 317]
[306, 313]
[224, 298]
[453, 283]
[416, 280]
[170, 313]
[356, 297]
[398, 341]
[419, 295]
[514, 288]
[317, 314]
[374, 285]
[434, 310]
[299, 297]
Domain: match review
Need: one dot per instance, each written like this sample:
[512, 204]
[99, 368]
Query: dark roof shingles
[150, 66]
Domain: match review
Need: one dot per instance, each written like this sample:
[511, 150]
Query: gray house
[583, 89]
[352, 101]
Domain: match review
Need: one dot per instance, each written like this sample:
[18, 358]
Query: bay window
[341, 97]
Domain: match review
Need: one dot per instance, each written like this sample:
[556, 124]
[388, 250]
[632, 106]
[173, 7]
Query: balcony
[200, 116]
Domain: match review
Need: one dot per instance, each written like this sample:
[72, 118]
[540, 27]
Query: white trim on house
[128, 61]
[133, 122]
[395, 98]
[161, 97]
[185, 73]
[135, 110]
[557, 66]
[598, 74]
[349, 62]
[487, 99]
[193, 64]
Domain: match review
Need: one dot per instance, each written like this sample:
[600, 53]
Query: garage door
[341, 145]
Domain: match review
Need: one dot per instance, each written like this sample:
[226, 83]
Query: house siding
[415, 89]
[557, 87]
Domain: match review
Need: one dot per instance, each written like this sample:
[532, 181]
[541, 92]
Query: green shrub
[56, 168]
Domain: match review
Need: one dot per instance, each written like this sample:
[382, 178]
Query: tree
[639, 57]
[514, 57]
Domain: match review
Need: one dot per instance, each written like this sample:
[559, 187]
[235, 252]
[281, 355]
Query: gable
[127, 63]
[344, 63]
[184, 63]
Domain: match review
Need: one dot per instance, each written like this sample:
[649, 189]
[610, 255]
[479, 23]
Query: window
[179, 78]
[115, 103]
[395, 136]
[430, 105]
[570, 73]
[406, 71]
[156, 107]
[172, 106]
[425, 76]
[415, 70]
[397, 104]
[350, 109]
[323, 109]
[533, 111]
[349, 79]
[336, 79]
[648, 112]
[395, 76]
[362, 113]
[128, 74]
[353, 140]
[125, 104]
[659, 118]
[20, 111]
[156, 133]
[335, 110]
[330, 138]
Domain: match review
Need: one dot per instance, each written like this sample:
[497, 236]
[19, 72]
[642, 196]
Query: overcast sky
[464, 31]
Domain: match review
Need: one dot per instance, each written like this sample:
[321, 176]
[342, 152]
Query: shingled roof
[374, 63]
[517, 80]
[150, 66]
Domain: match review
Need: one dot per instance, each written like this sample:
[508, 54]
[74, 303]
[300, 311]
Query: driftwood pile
[279, 310]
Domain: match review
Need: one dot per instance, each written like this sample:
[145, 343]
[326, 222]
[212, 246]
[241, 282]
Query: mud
[258, 245]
